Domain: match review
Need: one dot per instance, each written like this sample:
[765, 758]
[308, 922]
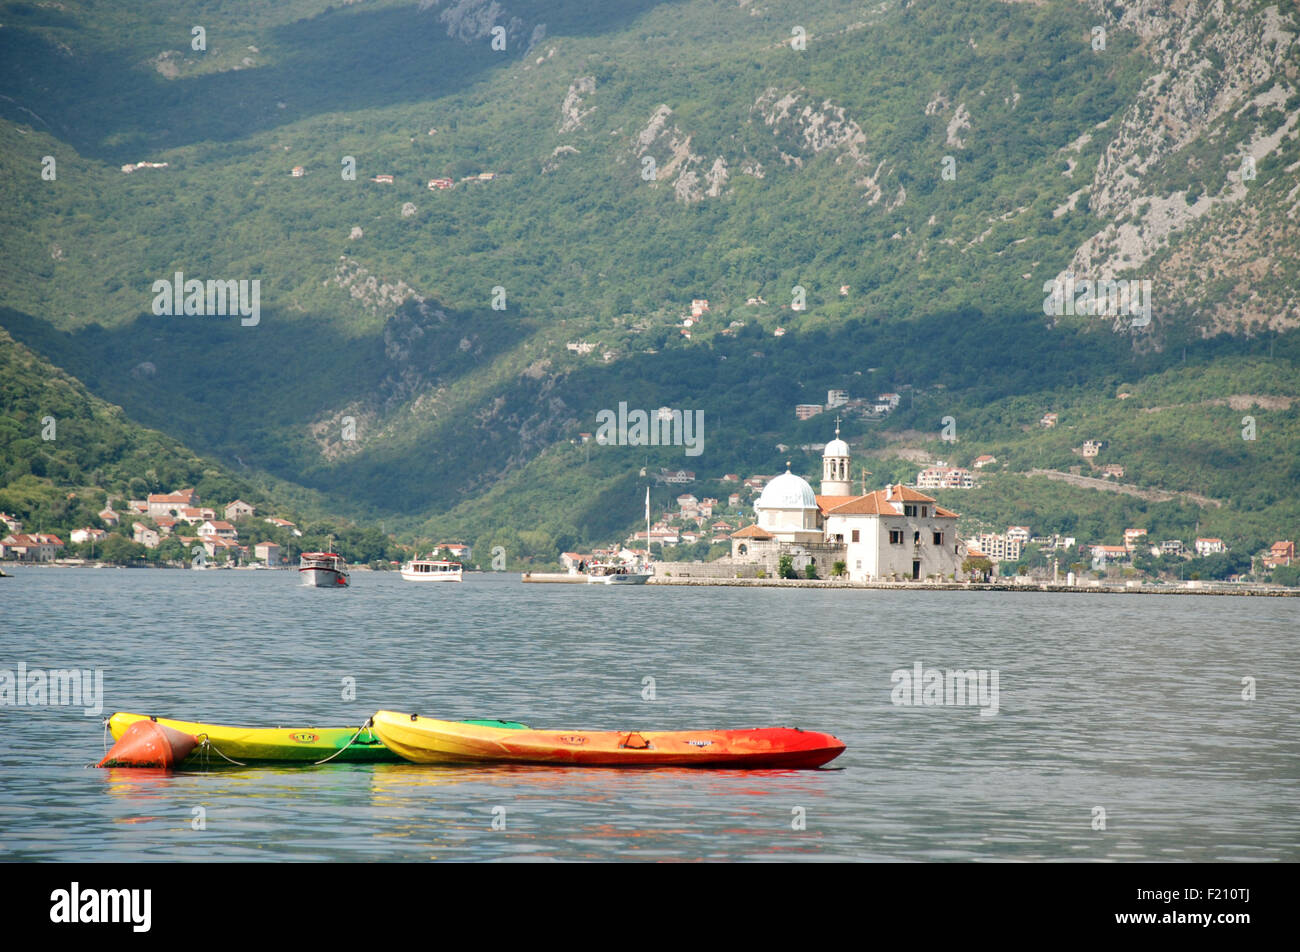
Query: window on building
[855, 535]
[925, 511]
[938, 538]
[909, 509]
[896, 536]
[916, 537]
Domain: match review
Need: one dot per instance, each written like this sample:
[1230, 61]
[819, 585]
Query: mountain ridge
[776, 173]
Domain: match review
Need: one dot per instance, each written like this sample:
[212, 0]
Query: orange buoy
[149, 744]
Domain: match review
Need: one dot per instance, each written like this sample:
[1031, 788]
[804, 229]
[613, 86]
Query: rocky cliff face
[1197, 187]
[473, 21]
[663, 155]
[808, 127]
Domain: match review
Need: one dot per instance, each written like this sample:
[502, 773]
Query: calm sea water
[1128, 703]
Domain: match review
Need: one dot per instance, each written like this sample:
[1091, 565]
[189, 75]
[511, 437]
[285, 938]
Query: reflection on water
[1127, 703]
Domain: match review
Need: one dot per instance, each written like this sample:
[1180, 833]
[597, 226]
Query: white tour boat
[323, 570]
[432, 570]
[617, 575]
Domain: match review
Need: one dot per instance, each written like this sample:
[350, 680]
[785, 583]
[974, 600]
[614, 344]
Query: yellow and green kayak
[218, 744]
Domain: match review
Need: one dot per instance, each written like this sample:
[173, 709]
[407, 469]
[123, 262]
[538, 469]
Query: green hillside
[410, 365]
[65, 454]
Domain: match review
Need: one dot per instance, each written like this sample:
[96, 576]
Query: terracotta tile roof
[32, 538]
[877, 503]
[752, 532]
[872, 504]
[906, 494]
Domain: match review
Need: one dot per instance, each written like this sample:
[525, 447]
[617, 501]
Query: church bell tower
[835, 466]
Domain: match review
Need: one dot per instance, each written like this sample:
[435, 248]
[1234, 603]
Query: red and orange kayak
[426, 740]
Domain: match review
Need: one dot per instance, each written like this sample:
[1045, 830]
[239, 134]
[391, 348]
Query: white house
[214, 544]
[165, 504]
[1102, 555]
[219, 528]
[677, 476]
[193, 515]
[458, 550]
[1210, 546]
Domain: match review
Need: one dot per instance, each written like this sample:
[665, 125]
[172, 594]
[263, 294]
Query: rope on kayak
[363, 727]
[206, 743]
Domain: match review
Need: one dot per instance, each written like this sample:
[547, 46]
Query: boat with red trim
[323, 570]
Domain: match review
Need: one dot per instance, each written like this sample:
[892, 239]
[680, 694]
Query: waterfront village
[176, 526]
[770, 526]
